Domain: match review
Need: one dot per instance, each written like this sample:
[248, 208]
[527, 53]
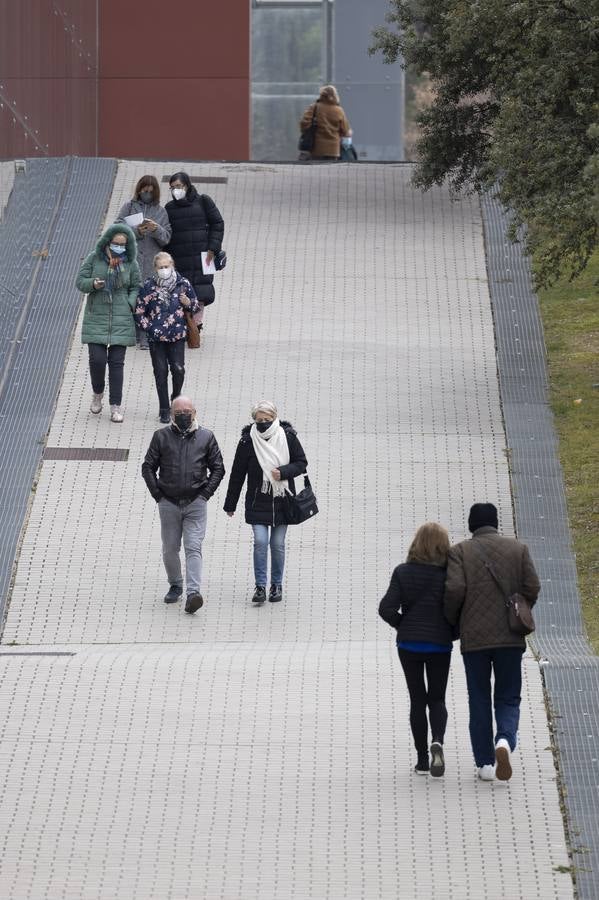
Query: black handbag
[220, 257]
[301, 507]
[308, 135]
[220, 260]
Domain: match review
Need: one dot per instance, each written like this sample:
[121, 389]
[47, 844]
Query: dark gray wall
[371, 92]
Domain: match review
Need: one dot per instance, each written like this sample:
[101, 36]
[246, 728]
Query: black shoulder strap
[489, 567]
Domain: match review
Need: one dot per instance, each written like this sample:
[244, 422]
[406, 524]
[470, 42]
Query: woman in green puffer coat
[110, 277]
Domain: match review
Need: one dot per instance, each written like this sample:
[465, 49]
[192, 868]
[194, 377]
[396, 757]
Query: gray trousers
[187, 522]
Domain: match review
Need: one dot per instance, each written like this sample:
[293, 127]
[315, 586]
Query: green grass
[570, 312]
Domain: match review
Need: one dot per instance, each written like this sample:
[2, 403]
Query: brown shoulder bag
[519, 610]
[193, 332]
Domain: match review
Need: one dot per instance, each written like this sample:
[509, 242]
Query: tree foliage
[516, 105]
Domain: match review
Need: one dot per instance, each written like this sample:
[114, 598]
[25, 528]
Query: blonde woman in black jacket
[260, 445]
[413, 605]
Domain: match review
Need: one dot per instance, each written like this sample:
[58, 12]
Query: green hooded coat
[108, 318]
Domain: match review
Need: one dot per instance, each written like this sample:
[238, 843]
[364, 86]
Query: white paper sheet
[134, 220]
[207, 269]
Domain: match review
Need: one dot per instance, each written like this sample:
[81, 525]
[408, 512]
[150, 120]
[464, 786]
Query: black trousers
[168, 355]
[426, 693]
[99, 356]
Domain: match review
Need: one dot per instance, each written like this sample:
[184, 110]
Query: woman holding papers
[151, 227]
[198, 231]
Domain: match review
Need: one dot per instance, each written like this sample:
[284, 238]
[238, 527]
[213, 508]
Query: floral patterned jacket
[164, 321]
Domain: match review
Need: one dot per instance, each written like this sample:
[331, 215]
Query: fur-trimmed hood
[106, 237]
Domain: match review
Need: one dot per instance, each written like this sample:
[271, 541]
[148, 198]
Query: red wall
[175, 79]
[47, 78]
[172, 79]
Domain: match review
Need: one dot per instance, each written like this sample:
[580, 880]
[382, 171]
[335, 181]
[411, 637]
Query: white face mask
[165, 272]
[178, 193]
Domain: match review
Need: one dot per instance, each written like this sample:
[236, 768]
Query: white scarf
[272, 452]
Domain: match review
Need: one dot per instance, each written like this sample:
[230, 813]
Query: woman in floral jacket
[162, 303]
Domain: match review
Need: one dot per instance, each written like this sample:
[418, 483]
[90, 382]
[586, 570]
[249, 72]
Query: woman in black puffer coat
[270, 456]
[197, 227]
[413, 605]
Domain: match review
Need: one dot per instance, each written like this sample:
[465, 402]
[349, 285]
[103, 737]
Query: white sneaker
[116, 414]
[486, 773]
[504, 764]
[96, 404]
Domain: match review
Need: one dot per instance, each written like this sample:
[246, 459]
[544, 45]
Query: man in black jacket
[182, 469]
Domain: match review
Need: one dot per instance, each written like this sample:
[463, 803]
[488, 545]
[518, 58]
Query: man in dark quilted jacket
[475, 600]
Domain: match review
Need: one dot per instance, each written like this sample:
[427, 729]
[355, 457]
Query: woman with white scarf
[269, 455]
[160, 311]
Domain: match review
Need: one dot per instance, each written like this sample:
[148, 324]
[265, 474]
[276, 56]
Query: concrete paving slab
[265, 752]
[262, 770]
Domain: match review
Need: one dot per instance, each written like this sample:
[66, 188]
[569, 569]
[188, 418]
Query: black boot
[194, 602]
[422, 766]
[175, 592]
[275, 593]
[165, 416]
[259, 594]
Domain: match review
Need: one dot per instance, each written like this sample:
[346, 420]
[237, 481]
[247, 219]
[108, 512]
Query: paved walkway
[7, 177]
[265, 753]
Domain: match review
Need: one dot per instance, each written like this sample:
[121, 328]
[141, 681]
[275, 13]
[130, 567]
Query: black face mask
[263, 426]
[146, 196]
[183, 421]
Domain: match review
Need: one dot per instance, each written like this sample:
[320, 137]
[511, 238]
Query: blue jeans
[506, 665]
[277, 553]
